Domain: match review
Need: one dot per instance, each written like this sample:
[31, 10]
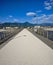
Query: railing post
[47, 34]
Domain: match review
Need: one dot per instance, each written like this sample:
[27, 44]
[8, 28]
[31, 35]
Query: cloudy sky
[26, 10]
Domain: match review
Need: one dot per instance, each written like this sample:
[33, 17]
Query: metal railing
[4, 35]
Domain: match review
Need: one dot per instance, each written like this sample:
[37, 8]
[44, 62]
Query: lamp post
[36, 22]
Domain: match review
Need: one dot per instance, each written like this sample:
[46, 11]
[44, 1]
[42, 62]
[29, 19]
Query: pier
[25, 49]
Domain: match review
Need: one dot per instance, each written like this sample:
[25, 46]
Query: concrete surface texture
[26, 49]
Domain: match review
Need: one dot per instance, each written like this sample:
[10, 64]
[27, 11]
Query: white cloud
[30, 14]
[44, 15]
[44, 18]
[51, 0]
[52, 3]
[50, 17]
[15, 20]
[48, 4]
[48, 7]
[10, 16]
[7, 18]
[39, 11]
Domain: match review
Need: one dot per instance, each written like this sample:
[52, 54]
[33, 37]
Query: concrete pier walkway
[26, 49]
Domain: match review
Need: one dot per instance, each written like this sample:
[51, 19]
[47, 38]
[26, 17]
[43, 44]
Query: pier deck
[26, 49]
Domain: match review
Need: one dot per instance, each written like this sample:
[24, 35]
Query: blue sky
[24, 10]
